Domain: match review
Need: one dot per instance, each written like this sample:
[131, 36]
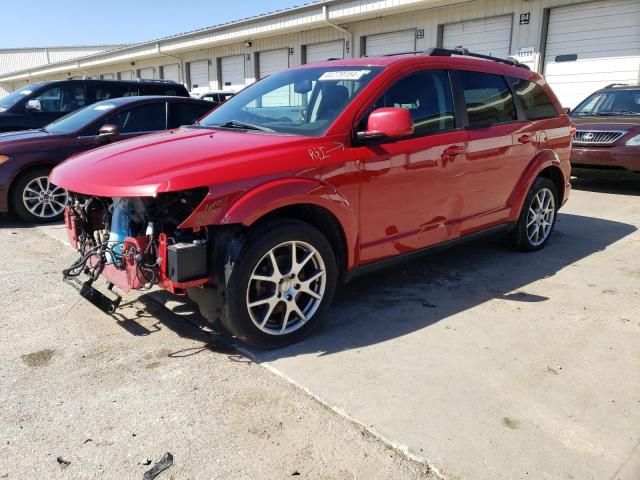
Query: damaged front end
[136, 243]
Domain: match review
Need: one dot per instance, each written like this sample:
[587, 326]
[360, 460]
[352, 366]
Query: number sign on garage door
[171, 72]
[199, 76]
[319, 52]
[232, 73]
[271, 62]
[592, 45]
[488, 36]
[393, 42]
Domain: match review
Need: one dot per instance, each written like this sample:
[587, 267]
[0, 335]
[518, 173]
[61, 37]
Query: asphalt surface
[479, 362]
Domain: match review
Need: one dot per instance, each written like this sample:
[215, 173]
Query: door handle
[526, 138]
[454, 150]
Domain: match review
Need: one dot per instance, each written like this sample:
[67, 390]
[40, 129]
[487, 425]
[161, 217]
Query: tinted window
[186, 113]
[63, 98]
[534, 99]
[158, 90]
[427, 95]
[149, 117]
[488, 98]
[114, 90]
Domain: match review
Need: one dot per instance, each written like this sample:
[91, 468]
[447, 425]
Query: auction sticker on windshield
[343, 75]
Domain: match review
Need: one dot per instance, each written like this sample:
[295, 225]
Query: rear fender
[544, 159]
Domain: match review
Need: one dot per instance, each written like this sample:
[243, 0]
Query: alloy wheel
[540, 217]
[44, 199]
[286, 288]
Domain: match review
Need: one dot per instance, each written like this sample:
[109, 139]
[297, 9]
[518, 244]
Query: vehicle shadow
[403, 299]
[603, 185]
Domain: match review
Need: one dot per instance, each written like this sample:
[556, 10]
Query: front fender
[248, 206]
[544, 159]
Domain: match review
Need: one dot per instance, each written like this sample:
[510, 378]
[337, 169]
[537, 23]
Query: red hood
[179, 160]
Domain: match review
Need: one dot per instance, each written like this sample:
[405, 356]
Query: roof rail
[80, 77]
[617, 85]
[444, 52]
[154, 80]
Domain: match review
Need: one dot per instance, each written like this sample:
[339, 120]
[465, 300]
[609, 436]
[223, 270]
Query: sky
[76, 22]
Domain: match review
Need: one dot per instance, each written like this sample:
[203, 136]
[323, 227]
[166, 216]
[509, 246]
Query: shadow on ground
[604, 185]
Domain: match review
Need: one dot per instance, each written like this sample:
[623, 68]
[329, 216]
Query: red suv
[317, 174]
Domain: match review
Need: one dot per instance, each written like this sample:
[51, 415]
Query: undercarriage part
[186, 261]
[94, 296]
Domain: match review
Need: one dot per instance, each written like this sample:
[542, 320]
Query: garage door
[393, 42]
[232, 73]
[127, 75]
[488, 36]
[320, 52]
[590, 46]
[145, 73]
[199, 76]
[108, 76]
[271, 62]
[171, 72]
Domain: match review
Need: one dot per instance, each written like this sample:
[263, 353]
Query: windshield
[10, 100]
[80, 118]
[299, 102]
[610, 103]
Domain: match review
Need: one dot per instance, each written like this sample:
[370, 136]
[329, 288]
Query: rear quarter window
[488, 98]
[534, 100]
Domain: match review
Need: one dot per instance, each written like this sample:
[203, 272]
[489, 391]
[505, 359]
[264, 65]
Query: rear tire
[280, 284]
[35, 200]
[537, 218]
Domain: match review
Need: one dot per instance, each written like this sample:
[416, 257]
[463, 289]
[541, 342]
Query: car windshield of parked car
[610, 103]
[80, 118]
[299, 102]
[13, 98]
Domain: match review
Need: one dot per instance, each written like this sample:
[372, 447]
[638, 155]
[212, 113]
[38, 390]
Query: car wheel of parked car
[34, 199]
[281, 283]
[537, 218]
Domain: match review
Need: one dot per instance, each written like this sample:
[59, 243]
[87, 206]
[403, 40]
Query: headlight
[633, 141]
[3, 158]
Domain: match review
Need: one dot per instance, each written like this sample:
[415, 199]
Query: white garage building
[579, 45]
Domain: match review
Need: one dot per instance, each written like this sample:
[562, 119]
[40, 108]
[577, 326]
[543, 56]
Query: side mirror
[107, 133]
[567, 110]
[389, 123]
[34, 105]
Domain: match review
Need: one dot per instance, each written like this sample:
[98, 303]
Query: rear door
[410, 193]
[500, 146]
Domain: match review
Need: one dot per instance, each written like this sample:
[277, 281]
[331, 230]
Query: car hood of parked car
[26, 141]
[183, 159]
[612, 122]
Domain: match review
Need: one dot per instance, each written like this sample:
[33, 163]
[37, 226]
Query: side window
[150, 117]
[488, 99]
[106, 92]
[186, 113]
[427, 95]
[534, 99]
[63, 98]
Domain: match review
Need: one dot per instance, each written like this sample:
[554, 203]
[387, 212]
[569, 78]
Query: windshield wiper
[245, 126]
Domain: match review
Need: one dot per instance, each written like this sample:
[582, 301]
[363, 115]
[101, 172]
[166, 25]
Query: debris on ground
[165, 462]
[63, 463]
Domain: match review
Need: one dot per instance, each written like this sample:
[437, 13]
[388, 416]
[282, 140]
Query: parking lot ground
[483, 362]
[111, 394]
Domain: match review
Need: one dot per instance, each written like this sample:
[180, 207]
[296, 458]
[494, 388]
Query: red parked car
[317, 174]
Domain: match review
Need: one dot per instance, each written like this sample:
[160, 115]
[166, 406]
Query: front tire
[537, 218]
[280, 284]
[35, 200]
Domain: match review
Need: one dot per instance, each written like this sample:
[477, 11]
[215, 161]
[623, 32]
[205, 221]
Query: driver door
[410, 191]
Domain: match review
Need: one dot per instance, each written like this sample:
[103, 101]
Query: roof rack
[154, 80]
[444, 52]
[80, 77]
[617, 85]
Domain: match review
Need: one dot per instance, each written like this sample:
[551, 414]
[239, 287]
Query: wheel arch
[546, 164]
